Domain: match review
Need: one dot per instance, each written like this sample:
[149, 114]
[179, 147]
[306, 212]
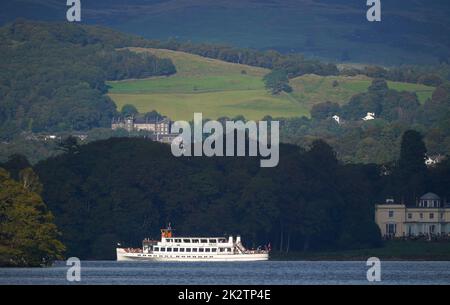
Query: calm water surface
[249, 273]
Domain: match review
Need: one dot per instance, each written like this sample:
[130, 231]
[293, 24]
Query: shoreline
[393, 250]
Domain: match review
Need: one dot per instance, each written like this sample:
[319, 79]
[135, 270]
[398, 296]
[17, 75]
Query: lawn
[252, 104]
[219, 89]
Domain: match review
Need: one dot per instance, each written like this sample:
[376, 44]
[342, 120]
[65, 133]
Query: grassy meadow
[218, 89]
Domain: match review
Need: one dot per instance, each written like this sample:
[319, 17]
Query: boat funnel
[238, 239]
[230, 239]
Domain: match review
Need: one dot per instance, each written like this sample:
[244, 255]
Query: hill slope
[410, 32]
[218, 88]
[213, 87]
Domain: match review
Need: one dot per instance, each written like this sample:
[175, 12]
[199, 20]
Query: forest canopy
[52, 77]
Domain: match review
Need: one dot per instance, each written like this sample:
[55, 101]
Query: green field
[218, 89]
[311, 89]
[210, 86]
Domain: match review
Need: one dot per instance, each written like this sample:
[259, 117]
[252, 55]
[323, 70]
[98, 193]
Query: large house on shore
[429, 218]
[160, 127]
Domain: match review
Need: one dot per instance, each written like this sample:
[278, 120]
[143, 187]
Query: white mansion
[430, 217]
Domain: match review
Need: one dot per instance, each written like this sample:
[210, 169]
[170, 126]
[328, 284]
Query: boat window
[201, 250]
[175, 249]
[204, 241]
[222, 249]
[181, 249]
[228, 249]
[169, 249]
[186, 240]
[207, 250]
[194, 249]
[214, 250]
[178, 240]
[195, 240]
[168, 240]
[212, 241]
[156, 248]
[163, 249]
[188, 249]
[222, 240]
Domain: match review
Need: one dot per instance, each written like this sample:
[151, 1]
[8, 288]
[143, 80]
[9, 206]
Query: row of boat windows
[195, 240]
[168, 249]
[178, 256]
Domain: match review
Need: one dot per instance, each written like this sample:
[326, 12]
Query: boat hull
[123, 255]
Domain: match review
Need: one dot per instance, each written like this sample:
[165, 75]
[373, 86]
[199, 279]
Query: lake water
[249, 273]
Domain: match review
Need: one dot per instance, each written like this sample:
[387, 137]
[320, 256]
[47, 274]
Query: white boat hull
[123, 255]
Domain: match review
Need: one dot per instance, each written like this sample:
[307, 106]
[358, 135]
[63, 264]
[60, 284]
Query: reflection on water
[248, 273]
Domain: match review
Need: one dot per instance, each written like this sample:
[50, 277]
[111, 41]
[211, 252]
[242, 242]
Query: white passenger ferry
[190, 249]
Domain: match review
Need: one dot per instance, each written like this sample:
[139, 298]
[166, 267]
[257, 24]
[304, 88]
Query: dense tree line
[431, 75]
[52, 77]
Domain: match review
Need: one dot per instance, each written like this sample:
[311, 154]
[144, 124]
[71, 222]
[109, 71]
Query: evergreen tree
[411, 172]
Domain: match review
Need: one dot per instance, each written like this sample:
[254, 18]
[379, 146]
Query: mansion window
[409, 215]
[391, 214]
[391, 228]
[431, 215]
[421, 215]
